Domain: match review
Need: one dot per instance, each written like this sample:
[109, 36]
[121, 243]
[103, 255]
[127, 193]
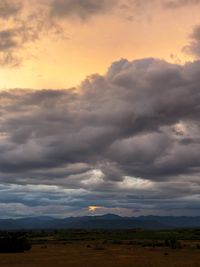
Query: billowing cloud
[129, 139]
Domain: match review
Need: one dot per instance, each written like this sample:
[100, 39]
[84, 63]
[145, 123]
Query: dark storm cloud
[127, 140]
[136, 118]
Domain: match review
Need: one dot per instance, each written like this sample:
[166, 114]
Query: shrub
[173, 243]
[14, 244]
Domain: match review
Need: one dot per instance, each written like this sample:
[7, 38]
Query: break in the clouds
[26, 24]
[22, 25]
[127, 141]
[124, 142]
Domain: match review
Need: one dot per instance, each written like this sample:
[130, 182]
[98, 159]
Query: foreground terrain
[100, 248]
[83, 255]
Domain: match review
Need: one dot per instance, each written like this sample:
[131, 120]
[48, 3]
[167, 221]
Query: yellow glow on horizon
[94, 208]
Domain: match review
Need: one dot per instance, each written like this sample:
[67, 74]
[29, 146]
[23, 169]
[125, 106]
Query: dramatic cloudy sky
[99, 107]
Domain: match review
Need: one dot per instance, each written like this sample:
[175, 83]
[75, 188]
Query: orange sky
[91, 46]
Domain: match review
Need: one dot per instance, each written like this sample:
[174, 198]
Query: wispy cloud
[83, 10]
[193, 48]
[174, 4]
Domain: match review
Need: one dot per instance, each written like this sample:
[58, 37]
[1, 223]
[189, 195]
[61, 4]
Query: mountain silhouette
[108, 221]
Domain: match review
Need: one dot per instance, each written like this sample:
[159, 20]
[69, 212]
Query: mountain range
[108, 221]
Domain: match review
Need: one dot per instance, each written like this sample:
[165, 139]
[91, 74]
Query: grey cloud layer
[129, 139]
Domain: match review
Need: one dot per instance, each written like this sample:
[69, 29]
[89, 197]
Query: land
[79, 255]
[107, 221]
[113, 248]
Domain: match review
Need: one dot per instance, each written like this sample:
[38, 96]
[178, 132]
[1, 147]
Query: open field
[100, 248]
[81, 254]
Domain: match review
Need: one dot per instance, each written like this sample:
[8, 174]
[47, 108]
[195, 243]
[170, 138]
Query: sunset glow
[99, 107]
[93, 208]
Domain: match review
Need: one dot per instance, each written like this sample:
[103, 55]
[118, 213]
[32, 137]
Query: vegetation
[167, 237]
[128, 248]
[174, 239]
[14, 242]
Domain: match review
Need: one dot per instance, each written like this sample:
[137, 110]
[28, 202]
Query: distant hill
[108, 221]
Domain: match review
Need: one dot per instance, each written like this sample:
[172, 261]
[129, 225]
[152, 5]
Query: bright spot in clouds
[93, 208]
[180, 128]
[135, 183]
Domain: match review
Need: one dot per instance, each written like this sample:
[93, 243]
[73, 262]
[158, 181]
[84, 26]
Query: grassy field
[80, 248]
[80, 254]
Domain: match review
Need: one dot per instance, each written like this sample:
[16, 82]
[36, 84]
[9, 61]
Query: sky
[99, 107]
